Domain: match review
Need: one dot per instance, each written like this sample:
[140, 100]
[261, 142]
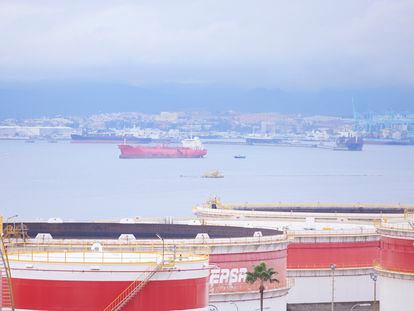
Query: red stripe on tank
[397, 254]
[321, 255]
[96, 295]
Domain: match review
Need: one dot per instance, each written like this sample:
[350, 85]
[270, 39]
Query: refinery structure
[326, 256]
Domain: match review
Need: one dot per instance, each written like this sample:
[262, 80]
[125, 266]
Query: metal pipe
[163, 247]
[374, 277]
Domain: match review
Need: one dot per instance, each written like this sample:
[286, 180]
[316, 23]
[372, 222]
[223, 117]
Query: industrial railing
[198, 245]
[219, 204]
[104, 254]
[6, 288]
[333, 232]
[395, 270]
[326, 266]
[407, 226]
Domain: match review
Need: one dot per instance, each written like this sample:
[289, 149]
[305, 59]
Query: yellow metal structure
[6, 299]
[15, 231]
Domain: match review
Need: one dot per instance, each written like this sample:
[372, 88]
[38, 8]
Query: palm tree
[263, 274]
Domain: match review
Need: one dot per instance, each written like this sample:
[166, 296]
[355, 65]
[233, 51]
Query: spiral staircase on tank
[6, 292]
[133, 289]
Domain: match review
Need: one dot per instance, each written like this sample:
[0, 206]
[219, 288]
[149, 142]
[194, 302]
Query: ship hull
[349, 143]
[140, 152]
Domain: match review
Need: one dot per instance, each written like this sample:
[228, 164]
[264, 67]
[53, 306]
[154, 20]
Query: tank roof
[112, 230]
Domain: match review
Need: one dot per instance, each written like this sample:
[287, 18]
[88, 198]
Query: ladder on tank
[133, 289]
[6, 292]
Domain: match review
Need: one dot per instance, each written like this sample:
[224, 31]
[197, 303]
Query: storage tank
[339, 261]
[233, 251]
[396, 267]
[69, 277]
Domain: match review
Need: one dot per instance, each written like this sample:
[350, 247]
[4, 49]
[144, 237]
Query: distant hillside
[38, 99]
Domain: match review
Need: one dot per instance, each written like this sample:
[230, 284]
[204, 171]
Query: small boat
[29, 141]
[239, 156]
[213, 174]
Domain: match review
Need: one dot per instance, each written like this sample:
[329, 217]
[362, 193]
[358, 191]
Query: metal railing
[307, 204]
[196, 246]
[6, 290]
[108, 254]
[403, 269]
[333, 232]
[325, 266]
[405, 226]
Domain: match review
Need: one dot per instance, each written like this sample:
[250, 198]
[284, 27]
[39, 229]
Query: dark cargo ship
[351, 143]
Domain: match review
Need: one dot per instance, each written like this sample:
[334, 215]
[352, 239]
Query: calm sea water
[88, 181]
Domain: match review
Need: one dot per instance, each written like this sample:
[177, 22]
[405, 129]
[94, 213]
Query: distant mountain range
[69, 98]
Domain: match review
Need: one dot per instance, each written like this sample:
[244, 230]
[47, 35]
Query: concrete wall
[273, 304]
[340, 306]
[395, 294]
[318, 289]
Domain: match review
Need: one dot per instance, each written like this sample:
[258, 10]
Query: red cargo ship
[191, 148]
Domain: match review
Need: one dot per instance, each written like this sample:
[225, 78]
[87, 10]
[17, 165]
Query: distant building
[167, 116]
[16, 132]
[268, 128]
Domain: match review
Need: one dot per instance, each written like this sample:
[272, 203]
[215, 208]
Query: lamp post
[163, 244]
[333, 267]
[11, 217]
[360, 305]
[374, 277]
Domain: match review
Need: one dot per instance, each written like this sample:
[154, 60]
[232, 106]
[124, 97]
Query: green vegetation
[262, 274]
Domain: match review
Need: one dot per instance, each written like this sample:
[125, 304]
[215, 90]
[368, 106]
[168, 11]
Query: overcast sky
[290, 44]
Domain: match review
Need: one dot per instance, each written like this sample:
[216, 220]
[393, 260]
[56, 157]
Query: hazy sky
[295, 45]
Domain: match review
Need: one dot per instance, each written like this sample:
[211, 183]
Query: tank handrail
[246, 214]
[326, 266]
[136, 245]
[132, 289]
[401, 270]
[156, 244]
[310, 204]
[333, 232]
[105, 257]
[397, 226]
